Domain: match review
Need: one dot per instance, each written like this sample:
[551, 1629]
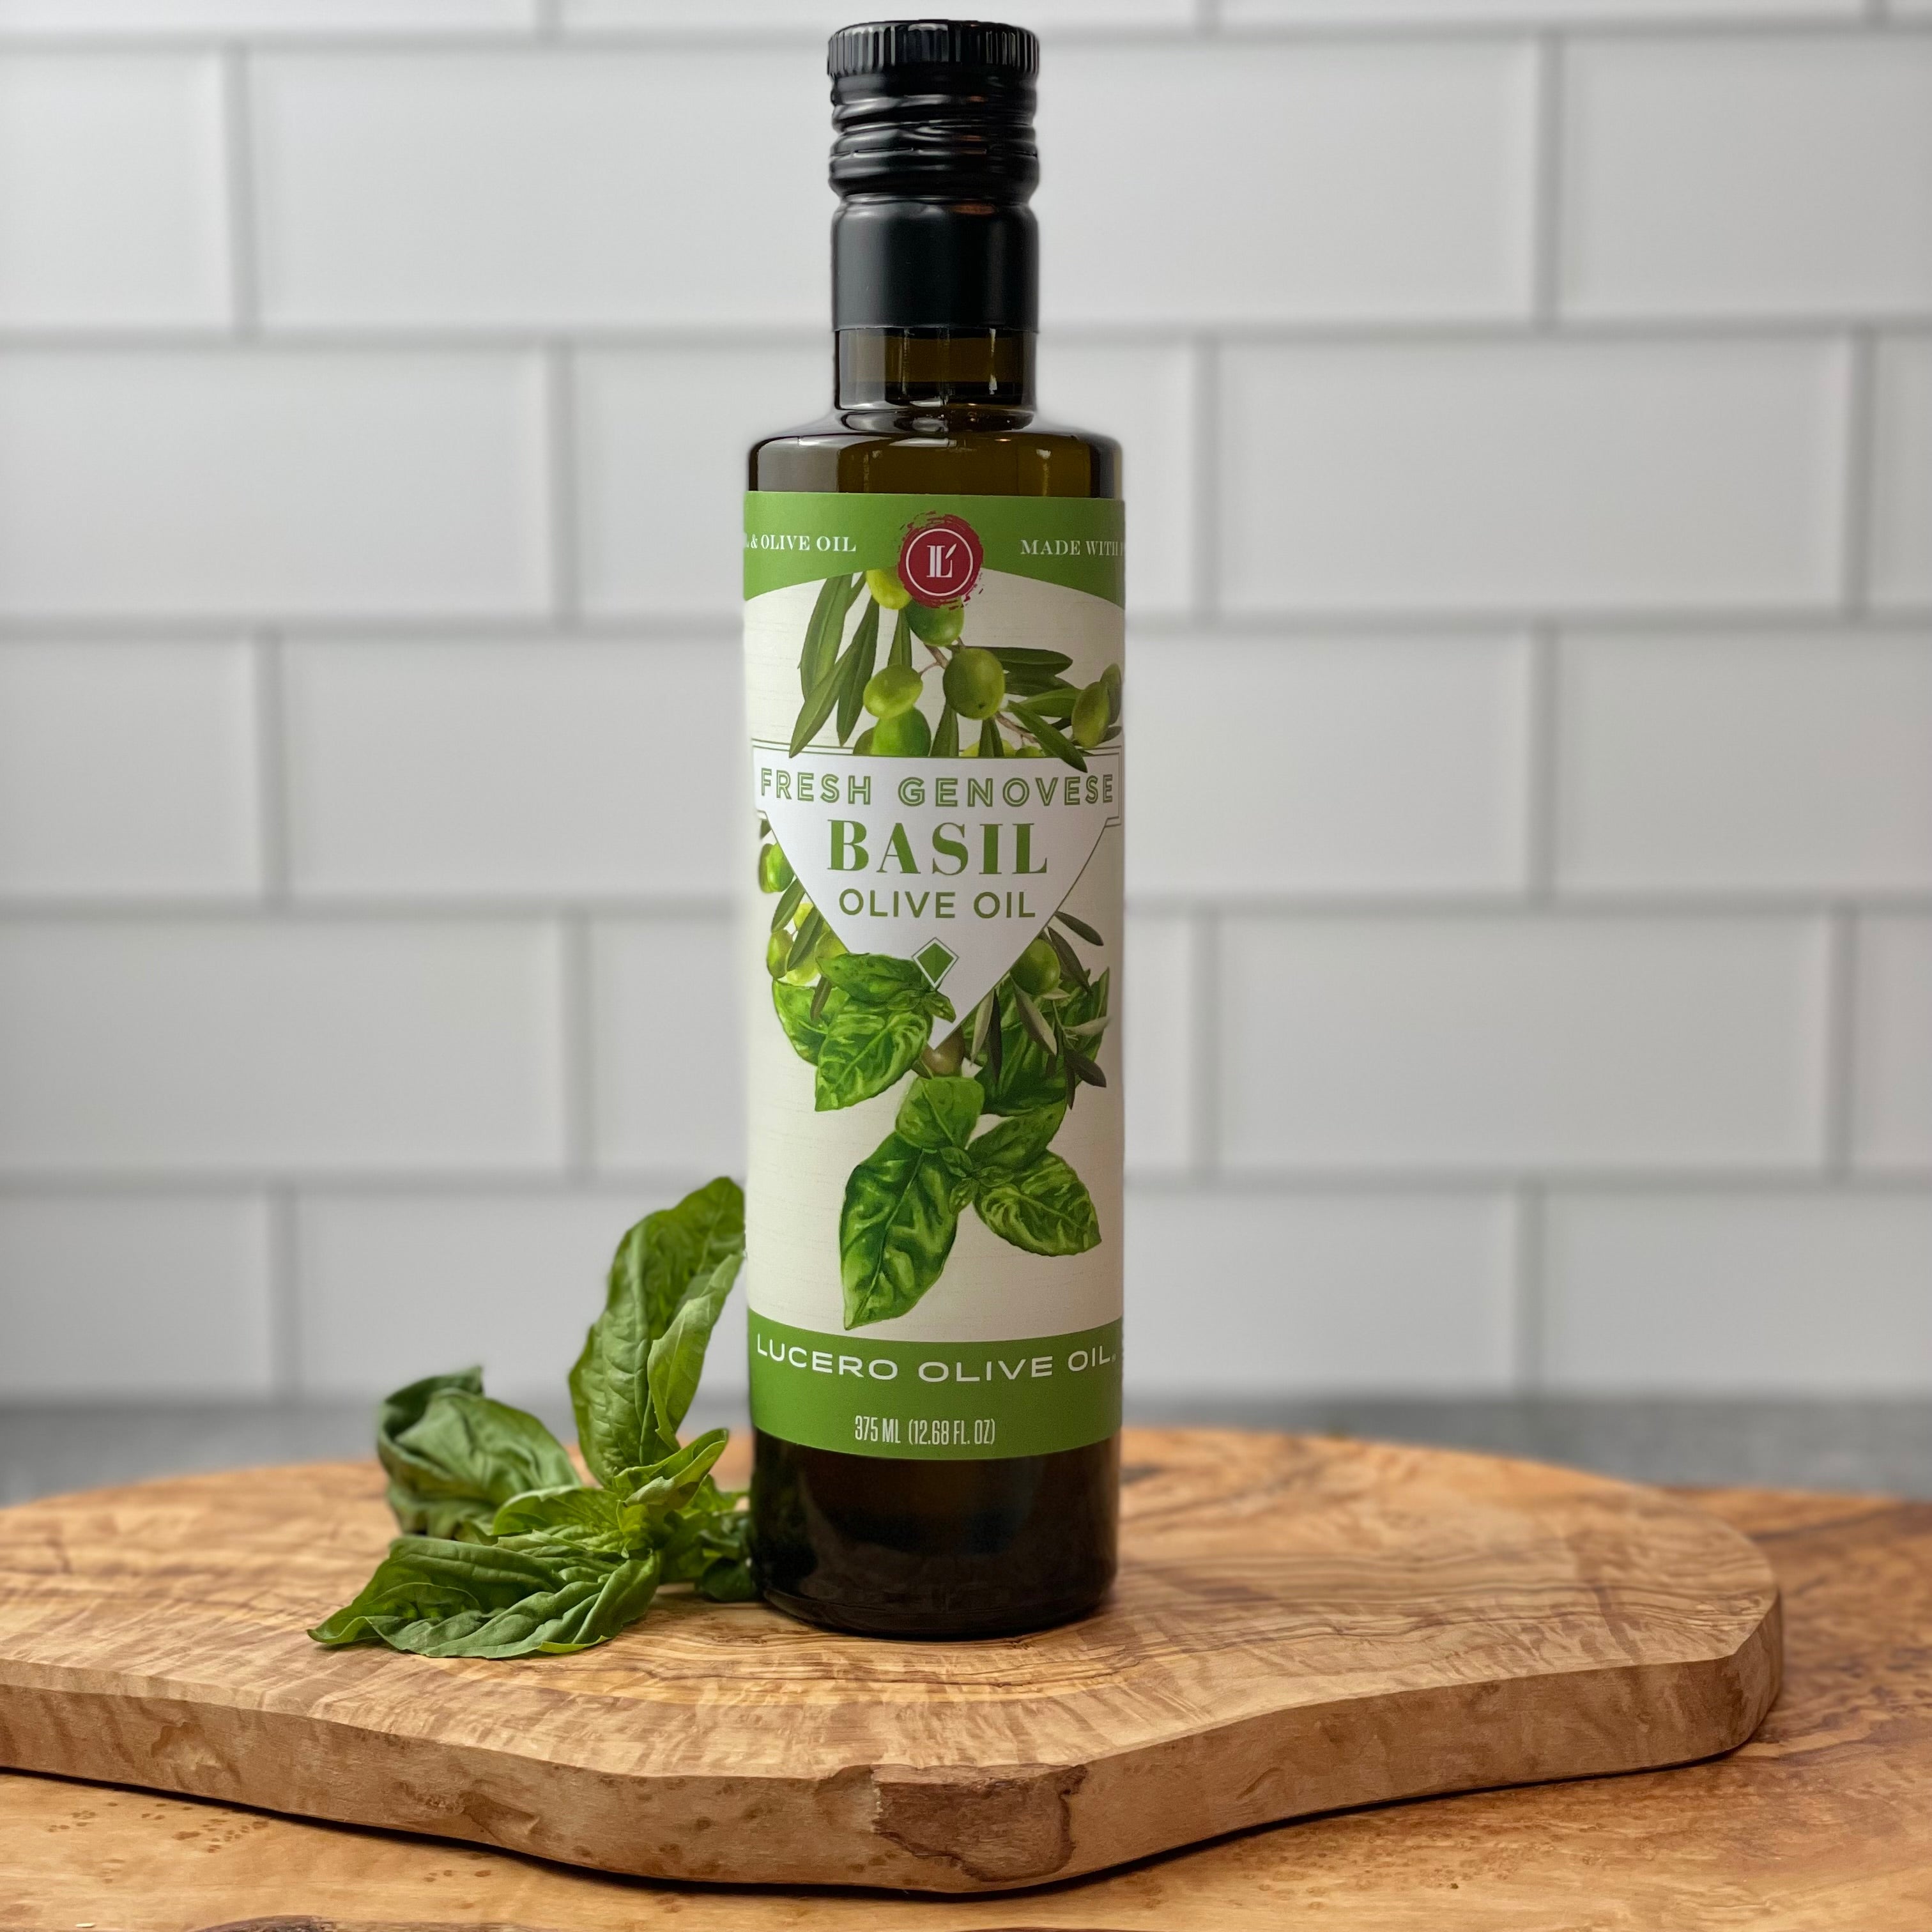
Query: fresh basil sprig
[506, 1551]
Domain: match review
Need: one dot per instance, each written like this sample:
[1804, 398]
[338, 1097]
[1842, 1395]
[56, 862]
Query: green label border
[940, 1402]
[797, 536]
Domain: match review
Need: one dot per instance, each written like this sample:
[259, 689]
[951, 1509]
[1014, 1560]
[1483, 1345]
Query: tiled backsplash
[1529, 407]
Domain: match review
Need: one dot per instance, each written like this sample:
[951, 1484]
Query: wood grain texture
[1301, 1625]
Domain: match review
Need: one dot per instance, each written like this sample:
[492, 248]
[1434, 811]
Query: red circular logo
[939, 562]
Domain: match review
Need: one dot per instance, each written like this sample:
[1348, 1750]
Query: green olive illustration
[1110, 682]
[976, 686]
[1092, 713]
[905, 734]
[895, 689]
[1037, 970]
[944, 1059]
[775, 871]
[778, 950]
[863, 744]
[941, 626]
[888, 592]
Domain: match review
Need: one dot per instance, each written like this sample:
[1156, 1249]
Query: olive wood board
[1301, 1625]
[1819, 1824]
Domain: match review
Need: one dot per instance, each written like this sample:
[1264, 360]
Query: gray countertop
[1870, 1444]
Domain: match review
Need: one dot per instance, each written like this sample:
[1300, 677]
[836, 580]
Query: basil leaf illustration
[794, 1005]
[868, 1048]
[901, 1214]
[824, 630]
[452, 1455]
[875, 975]
[656, 1265]
[941, 1112]
[1044, 1208]
[1017, 1141]
[676, 1359]
[444, 1599]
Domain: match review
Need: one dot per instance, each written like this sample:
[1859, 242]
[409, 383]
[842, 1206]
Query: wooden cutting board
[1301, 1625]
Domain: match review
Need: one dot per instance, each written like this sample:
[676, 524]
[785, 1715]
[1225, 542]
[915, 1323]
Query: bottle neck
[935, 368]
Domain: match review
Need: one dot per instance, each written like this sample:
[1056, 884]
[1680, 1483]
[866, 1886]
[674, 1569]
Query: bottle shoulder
[966, 452]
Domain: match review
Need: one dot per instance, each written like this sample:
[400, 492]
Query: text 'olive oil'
[933, 628]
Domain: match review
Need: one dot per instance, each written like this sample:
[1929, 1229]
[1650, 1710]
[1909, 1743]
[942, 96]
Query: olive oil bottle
[933, 578]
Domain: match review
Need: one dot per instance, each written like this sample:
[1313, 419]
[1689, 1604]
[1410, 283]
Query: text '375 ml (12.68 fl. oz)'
[934, 673]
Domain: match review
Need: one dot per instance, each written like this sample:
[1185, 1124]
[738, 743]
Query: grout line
[719, 625]
[237, 169]
[1547, 190]
[1204, 530]
[322, 908]
[271, 776]
[285, 1365]
[1542, 789]
[559, 404]
[1203, 1091]
[1530, 1328]
[1861, 469]
[1715, 25]
[1377, 331]
[1605, 1177]
[579, 1051]
[1840, 1041]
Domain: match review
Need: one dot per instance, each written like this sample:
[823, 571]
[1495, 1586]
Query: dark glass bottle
[934, 298]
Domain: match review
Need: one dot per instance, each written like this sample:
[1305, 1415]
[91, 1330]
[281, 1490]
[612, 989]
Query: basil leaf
[896, 1228]
[941, 1112]
[867, 1048]
[794, 1005]
[709, 1546]
[593, 1520]
[452, 1455]
[861, 659]
[442, 1599]
[875, 975]
[824, 630]
[671, 1485]
[676, 1359]
[654, 1267]
[1016, 1142]
[1044, 1208]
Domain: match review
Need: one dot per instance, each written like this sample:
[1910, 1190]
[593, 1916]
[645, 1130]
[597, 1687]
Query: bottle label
[933, 1212]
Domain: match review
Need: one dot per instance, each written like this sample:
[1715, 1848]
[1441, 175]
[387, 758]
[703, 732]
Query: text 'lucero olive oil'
[933, 628]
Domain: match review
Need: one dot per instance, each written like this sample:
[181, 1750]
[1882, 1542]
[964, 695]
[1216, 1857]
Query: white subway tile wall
[1527, 406]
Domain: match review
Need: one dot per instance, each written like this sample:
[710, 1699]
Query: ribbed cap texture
[876, 46]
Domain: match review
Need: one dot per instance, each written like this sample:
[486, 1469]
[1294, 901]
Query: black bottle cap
[934, 160]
